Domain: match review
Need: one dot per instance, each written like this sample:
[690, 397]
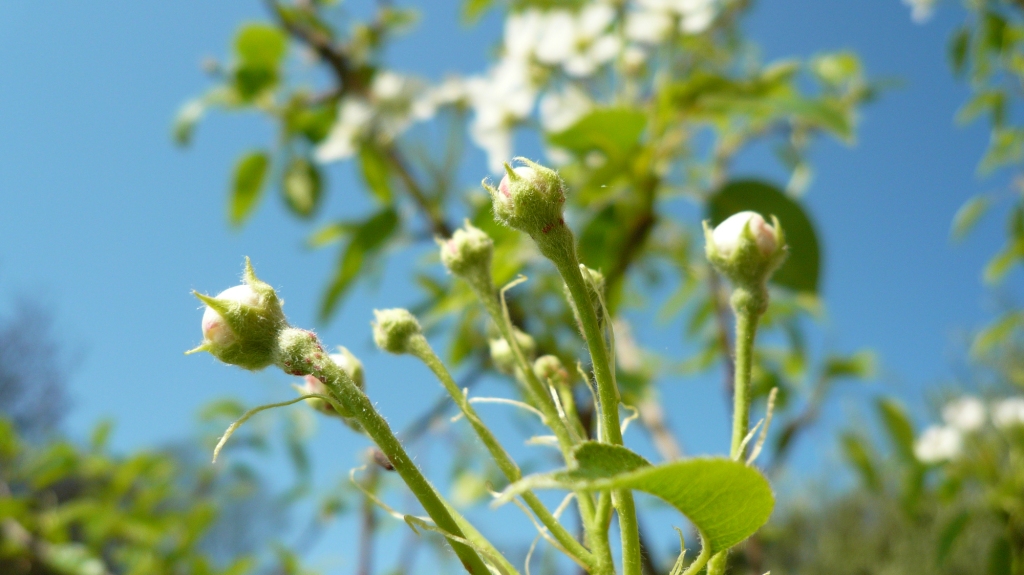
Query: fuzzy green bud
[550, 369]
[395, 329]
[299, 352]
[746, 248]
[530, 198]
[242, 324]
[468, 253]
[352, 367]
[504, 358]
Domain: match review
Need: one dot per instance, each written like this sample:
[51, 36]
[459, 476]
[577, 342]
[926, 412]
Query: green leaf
[367, 239]
[302, 187]
[472, 10]
[1000, 558]
[727, 500]
[800, 272]
[258, 44]
[968, 215]
[859, 455]
[860, 365]
[998, 266]
[959, 43]
[1006, 147]
[375, 172]
[247, 185]
[995, 334]
[614, 131]
[897, 424]
[950, 533]
[991, 101]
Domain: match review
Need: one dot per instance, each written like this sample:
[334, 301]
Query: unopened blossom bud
[747, 249]
[467, 254]
[299, 352]
[504, 358]
[353, 368]
[351, 365]
[241, 325]
[530, 198]
[395, 330]
[550, 369]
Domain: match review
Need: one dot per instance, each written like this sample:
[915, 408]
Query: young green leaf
[302, 187]
[247, 185]
[968, 215]
[897, 424]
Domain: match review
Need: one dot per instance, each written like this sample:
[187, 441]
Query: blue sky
[106, 222]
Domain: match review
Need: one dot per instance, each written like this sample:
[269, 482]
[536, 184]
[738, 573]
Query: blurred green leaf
[302, 187]
[472, 10]
[860, 365]
[1000, 558]
[1006, 147]
[742, 497]
[367, 239]
[995, 334]
[950, 533]
[247, 185]
[992, 102]
[897, 425]
[800, 272]
[860, 456]
[260, 44]
[614, 131]
[968, 215]
[1000, 265]
[958, 46]
[375, 172]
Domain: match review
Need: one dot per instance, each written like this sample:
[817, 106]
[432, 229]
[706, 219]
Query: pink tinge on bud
[525, 172]
[728, 234]
[215, 329]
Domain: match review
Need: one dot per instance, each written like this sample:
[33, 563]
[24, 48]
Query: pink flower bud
[215, 328]
[728, 235]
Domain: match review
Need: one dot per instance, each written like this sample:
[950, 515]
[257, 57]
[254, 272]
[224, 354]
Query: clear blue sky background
[106, 222]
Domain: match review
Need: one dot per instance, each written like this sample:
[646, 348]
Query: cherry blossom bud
[395, 329]
[241, 325]
[530, 198]
[747, 250]
[503, 357]
[467, 254]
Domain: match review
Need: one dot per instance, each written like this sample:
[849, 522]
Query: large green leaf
[247, 185]
[727, 500]
[614, 131]
[801, 270]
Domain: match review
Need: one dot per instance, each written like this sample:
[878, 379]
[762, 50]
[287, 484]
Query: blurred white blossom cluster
[962, 417]
[545, 58]
[920, 10]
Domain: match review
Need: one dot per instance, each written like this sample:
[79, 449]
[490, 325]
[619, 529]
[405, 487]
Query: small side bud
[550, 369]
[351, 365]
[468, 253]
[503, 357]
[299, 352]
[241, 325]
[530, 198]
[395, 329]
[313, 385]
[595, 289]
[746, 248]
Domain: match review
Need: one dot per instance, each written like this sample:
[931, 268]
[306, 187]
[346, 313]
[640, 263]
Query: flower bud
[351, 365]
[746, 248]
[241, 325]
[550, 369]
[503, 357]
[395, 329]
[529, 198]
[313, 385]
[467, 253]
[299, 352]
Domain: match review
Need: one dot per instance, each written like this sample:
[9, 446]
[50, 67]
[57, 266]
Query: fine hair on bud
[529, 198]
[394, 330]
[746, 249]
[468, 253]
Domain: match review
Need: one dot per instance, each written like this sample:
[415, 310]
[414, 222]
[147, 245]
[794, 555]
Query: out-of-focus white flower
[501, 99]
[938, 444]
[920, 10]
[652, 22]
[578, 41]
[561, 109]
[387, 85]
[648, 26]
[966, 414]
[451, 91]
[522, 32]
[633, 57]
[354, 117]
[1008, 412]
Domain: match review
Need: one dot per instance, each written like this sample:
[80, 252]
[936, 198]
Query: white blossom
[501, 99]
[561, 109]
[354, 117]
[965, 414]
[652, 22]
[578, 42]
[648, 26]
[920, 10]
[1008, 412]
[937, 444]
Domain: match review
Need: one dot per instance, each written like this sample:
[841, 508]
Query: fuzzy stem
[420, 348]
[560, 247]
[362, 409]
[748, 306]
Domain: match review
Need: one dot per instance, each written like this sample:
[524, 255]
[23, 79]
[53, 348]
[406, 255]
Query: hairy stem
[420, 348]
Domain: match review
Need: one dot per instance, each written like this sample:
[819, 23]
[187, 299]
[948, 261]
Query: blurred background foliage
[642, 106]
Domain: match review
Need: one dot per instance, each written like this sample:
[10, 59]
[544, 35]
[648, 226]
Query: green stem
[560, 247]
[420, 348]
[748, 306]
[597, 538]
[377, 428]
